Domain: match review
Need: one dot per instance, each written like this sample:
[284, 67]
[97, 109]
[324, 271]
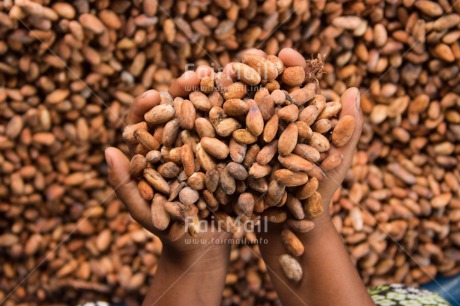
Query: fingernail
[358, 100]
[108, 159]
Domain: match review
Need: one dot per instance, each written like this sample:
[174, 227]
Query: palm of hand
[126, 188]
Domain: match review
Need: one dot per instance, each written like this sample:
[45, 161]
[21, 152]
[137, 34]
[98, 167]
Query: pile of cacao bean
[69, 72]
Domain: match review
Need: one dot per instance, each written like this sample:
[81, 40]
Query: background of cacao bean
[69, 72]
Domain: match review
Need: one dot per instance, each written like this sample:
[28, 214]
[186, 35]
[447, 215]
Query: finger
[126, 188]
[141, 105]
[350, 100]
[204, 71]
[181, 86]
[228, 69]
[290, 58]
[351, 105]
[189, 81]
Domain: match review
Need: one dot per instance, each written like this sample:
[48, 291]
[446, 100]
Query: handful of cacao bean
[245, 144]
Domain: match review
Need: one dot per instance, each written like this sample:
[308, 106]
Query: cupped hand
[329, 276]
[332, 179]
[126, 187]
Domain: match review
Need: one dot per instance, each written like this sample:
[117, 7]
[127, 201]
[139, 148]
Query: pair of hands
[127, 191]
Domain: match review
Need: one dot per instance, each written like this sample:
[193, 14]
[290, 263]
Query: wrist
[208, 257]
[191, 272]
[323, 232]
[322, 221]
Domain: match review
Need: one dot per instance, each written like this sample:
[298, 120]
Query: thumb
[126, 188]
[351, 106]
[189, 81]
